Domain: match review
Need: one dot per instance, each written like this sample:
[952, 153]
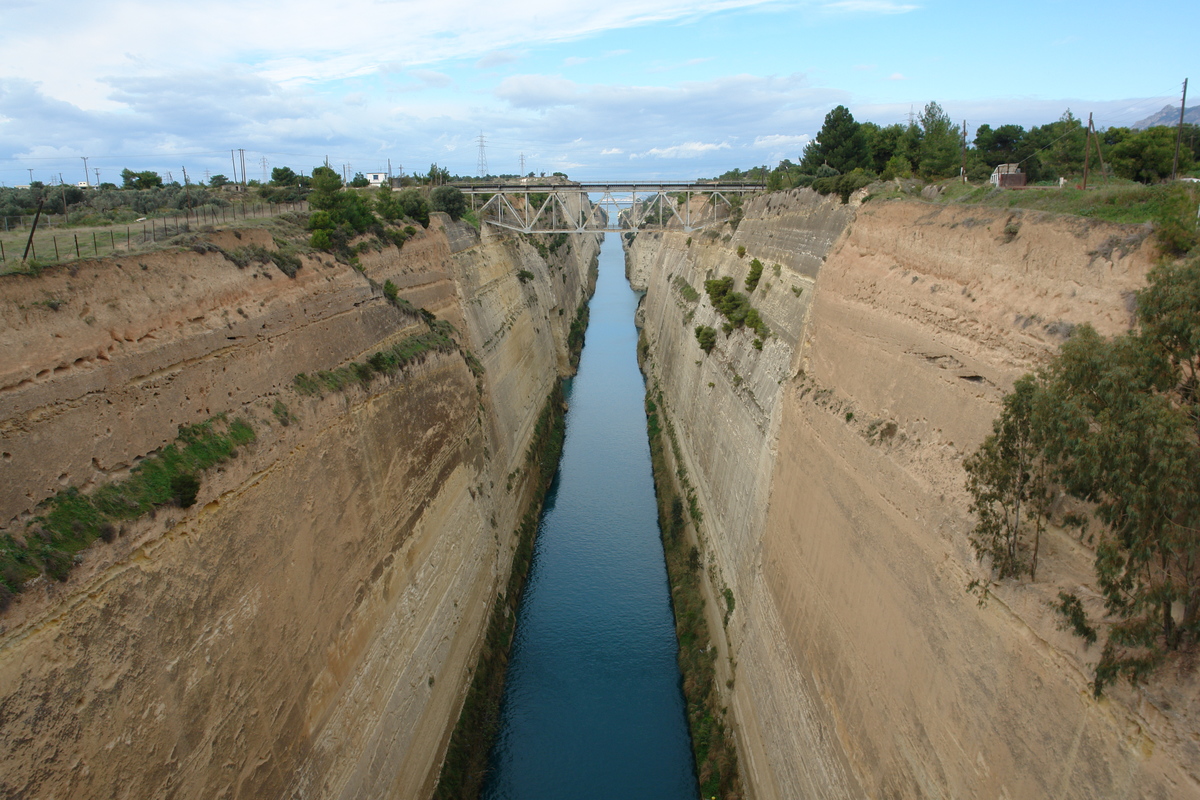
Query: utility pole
[1087, 151]
[964, 152]
[86, 179]
[62, 185]
[522, 165]
[233, 160]
[97, 171]
[187, 190]
[389, 172]
[30, 174]
[242, 155]
[264, 167]
[1179, 133]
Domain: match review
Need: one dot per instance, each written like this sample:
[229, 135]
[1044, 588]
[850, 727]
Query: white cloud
[612, 151]
[896, 76]
[429, 77]
[536, 91]
[497, 58]
[685, 150]
[870, 7]
[574, 61]
[780, 140]
[306, 45]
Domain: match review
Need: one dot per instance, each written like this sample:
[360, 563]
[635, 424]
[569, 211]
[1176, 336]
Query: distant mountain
[1169, 116]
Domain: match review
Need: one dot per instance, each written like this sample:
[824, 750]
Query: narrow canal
[593, 707]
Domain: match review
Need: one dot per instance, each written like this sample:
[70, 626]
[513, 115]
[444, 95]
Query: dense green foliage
[448, 200]
[840, 144]
[71, 520]
[1114, 423]
[932, 148]
[707, 337]
[735, 307]
[754, 275]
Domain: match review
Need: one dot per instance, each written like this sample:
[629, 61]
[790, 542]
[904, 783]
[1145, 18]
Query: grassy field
[58, 243]
[1109, 200]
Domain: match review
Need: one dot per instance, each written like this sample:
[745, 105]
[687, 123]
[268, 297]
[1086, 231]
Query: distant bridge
[628, 205]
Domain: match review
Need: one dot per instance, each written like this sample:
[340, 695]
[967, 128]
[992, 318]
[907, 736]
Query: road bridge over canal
[596, 207]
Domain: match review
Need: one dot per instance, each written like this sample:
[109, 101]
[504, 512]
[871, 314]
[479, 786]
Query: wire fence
[54, 244]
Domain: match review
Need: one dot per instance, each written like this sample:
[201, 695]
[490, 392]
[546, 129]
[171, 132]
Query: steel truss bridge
[570, 207]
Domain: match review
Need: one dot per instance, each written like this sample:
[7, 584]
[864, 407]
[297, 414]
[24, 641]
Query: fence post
[95, 246]
[112, 240]
[77, 246]
[57, 257]
[2, 258]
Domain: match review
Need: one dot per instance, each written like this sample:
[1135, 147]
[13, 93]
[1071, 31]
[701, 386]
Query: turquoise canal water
[593, 706]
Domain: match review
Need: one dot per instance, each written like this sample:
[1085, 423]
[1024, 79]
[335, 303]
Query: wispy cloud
[870, 7]
[685, 150]
[612, 151]
[497, 58]
[433, 78]
[777, 140]
[896, 76]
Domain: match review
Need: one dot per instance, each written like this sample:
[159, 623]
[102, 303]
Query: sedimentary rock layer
[305, 629]
[828, 467]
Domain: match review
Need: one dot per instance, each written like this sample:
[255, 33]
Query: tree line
[145, 192]
[931, 147]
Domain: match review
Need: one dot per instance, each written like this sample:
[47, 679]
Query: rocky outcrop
[306, 629]
[828, 469]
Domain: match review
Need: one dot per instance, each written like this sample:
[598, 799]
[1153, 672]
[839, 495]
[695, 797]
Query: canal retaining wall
[307, 627]
[827, 470]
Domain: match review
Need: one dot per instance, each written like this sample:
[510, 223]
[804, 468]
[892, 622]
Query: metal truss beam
[618, 203]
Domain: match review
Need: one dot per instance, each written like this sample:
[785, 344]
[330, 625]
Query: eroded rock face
[307, 627]
[828, 467]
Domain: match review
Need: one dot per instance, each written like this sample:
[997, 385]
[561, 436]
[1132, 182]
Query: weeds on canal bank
[712, 740]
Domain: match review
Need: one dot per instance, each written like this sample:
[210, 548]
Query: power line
[482, 165]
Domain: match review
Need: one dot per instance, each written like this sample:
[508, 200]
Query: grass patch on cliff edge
[72, 520]
[712, 740]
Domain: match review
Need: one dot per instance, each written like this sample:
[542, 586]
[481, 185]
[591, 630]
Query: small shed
[377, 178]
[1008, 176]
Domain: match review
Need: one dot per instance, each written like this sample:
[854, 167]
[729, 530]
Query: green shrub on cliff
[735, 307]
[754, 275]
[71, 520]
[707, 337]
[1115, 424]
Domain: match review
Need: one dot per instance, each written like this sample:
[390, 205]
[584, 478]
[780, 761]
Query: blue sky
[623, 89]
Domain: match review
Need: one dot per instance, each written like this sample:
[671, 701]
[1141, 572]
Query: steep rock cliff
[307, 627]
[828, 467]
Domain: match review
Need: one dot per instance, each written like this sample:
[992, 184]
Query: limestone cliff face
[828, 467]
[305, 629]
